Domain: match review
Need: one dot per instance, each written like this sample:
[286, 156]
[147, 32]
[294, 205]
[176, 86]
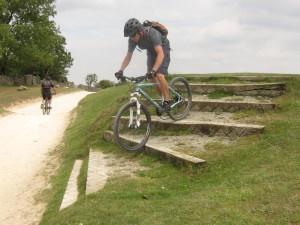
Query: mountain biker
[158, 55]
[46, 86]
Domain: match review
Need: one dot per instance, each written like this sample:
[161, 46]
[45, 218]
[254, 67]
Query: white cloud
[224, 30]
[206, 35]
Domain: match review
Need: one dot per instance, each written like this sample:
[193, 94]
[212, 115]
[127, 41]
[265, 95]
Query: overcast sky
[206, 36]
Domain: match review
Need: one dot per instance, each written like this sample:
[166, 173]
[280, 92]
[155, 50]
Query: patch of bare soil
[121, 167]
[189, 144]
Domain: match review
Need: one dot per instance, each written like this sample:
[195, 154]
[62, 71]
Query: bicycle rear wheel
[44, 109]
[182, 96]
[47, 106]
[133, 134]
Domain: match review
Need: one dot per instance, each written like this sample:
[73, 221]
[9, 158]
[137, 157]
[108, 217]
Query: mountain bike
[46, 107]
[132, 124]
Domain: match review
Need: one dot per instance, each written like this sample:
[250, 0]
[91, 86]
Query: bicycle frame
[139, 89]
[133, 119]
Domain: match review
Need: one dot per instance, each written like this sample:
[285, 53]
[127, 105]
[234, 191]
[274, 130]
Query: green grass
[3, 111]
[235, 74]
[216, 80]
[228, 78]
[10, 95]
[254, 181]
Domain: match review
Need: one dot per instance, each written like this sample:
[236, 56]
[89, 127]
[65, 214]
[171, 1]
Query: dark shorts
[46, 94]
[151, 56]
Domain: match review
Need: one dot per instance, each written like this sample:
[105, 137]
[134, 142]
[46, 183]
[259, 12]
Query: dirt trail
[26, 138]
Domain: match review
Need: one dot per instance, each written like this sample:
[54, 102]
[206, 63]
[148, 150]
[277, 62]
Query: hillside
[247, 179]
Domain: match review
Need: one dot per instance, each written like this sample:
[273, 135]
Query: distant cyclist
[158, 55]
[46, 87]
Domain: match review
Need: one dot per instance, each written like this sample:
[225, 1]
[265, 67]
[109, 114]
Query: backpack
[47, 84]
[156, 25]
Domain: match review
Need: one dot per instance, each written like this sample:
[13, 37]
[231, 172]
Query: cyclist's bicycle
[132, 125]
[46, 107]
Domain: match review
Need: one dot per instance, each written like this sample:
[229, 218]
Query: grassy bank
[254, 181]
[10, 95]
[229, 78]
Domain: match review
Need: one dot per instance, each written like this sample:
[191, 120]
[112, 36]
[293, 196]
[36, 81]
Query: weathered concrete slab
[207, 128]
[230, 106]
[258, 89]
[210, 128]
[97, 174]
[165, 153]
[246, 78]
[71, 192]
[204, 104]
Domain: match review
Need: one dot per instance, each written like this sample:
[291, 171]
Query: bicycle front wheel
[132, 129]
[181, 93]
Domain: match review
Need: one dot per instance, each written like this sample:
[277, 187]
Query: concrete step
[209, 128]
[197, 125]
[211, 105]
[227, 104]
[97, 173]
[192, 144]
[243, 78]
[163, 152]
[71, 193]
[257, 89]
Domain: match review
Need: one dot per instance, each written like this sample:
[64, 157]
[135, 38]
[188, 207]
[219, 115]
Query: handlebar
[135, 79]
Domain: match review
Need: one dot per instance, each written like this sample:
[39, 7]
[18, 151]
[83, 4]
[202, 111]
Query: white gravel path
[26, 139]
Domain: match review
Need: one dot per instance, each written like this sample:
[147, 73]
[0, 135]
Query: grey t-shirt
[151, 38]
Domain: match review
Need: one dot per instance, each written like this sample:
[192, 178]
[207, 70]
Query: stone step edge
[194, 122]
[241, 77]
[221, 101]
[242, 104]
[233, 102]
[262, 106]
[96, 173]
[166, 153]
[239, 84]
[208, 128]
[71, 192]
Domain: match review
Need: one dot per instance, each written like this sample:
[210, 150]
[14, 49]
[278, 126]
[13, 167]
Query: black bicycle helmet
[132, 26]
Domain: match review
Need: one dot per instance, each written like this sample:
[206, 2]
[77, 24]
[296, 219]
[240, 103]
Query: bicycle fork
[134, 117]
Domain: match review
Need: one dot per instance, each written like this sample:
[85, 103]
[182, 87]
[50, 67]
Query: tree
[91, 80]
[105, 84]
[30, 42]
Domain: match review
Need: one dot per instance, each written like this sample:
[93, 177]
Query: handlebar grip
[139, 79]
[135, 79]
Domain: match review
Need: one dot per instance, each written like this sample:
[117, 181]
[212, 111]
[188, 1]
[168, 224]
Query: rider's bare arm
[159, 57]
[126, 61]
